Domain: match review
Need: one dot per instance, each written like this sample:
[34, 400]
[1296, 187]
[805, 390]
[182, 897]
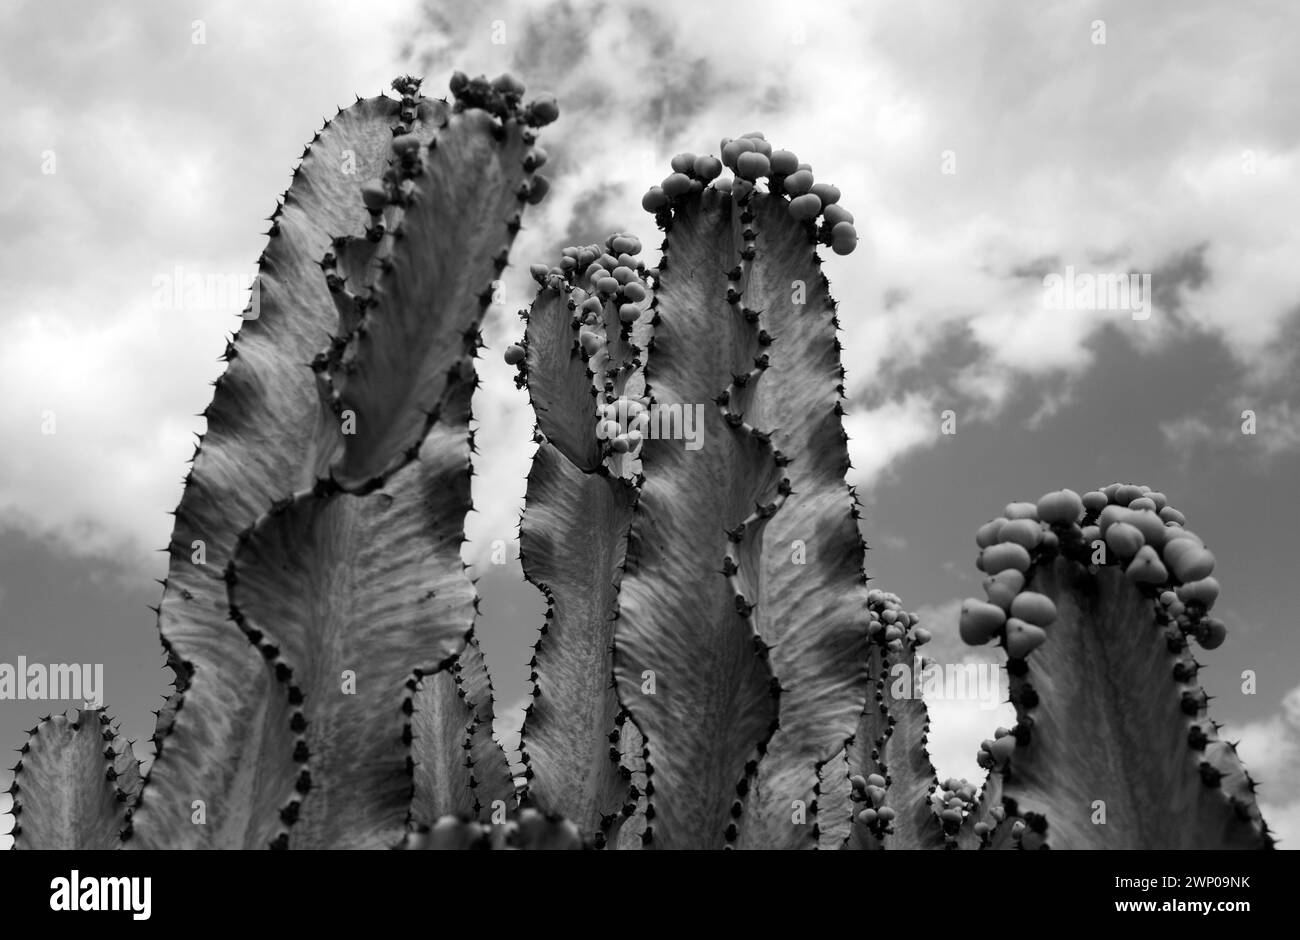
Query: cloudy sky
[981, 147]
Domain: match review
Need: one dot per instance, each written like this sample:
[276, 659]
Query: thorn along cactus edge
[713, 670]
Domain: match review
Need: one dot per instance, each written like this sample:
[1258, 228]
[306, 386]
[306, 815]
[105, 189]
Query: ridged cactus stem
[579, 357]
[75, 784]
[1095, 599]
[690, 668]
[892, 776]
[572, 545]
[460, 769]
[351, 586]
[712, 670]
[706, 664]
[214, 736]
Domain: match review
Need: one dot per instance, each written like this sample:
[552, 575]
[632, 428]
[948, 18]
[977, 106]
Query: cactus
[74, 784]
[713, 670]
[1093, 742]
[459, 768]
[362, 507]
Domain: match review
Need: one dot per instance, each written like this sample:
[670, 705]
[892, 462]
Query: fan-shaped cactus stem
[386, 470]
[75, 785]
[1074, 768]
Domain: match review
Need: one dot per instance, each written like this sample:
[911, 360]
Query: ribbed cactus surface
[342, 571]
[74, 784]
[713, 670]
[1096, 600]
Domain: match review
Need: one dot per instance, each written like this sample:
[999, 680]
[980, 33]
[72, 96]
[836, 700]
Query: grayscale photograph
[567, 424]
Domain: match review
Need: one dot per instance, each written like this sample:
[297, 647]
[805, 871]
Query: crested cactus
[1116, 581]
[340, 564]
[756, 676]
[713, 670]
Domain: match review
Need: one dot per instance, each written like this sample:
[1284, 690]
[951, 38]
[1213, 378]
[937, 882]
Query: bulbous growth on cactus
[1105, 591]
[711, 658]
[752, 159]
[897, 798]
[732, 251]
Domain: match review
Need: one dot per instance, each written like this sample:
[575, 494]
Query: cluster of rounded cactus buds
[621, 424]
[502, 97]
[890, 625]
[1149, 538]
[751, 159]
[613, 275]
[608, 289]
[1019, 616]
[875, 815]
[395, 184]
[1122, 524]
[613, 271]
[996, 751]
[952, 801]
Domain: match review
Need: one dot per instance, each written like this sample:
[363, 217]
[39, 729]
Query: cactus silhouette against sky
[713, 669]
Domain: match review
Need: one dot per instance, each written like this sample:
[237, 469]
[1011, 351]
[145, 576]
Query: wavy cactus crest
[316, 597]
[744, 600]
[712, 670]
[1108, 586]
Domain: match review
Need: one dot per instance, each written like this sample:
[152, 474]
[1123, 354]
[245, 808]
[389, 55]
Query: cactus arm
[572, 545]
[812, 611]
[400, 382]
[573, 541]
[910, 774]
[890, 740]
[460, 769]
[682, 624]
[320, 519]
[493, 780]
[1110, 716]
[559, 380]
[1124, 740]
[75, 784]
[262, 441]
[431, 288]
[372, 584]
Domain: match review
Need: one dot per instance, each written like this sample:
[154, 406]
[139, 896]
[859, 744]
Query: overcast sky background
[1171, 149]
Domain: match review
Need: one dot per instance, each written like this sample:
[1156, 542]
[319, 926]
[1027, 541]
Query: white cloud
[878, 436]
[1276, 428]
[1270, 749]
[118, 441]
[956, 730]
[1033, 181]
[1135, 151]
[957, 726]
[150, 173]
